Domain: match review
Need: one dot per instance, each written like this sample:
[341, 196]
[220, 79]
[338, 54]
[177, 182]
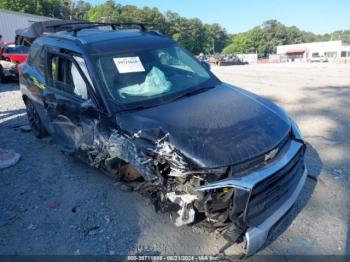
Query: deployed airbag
[155, 84]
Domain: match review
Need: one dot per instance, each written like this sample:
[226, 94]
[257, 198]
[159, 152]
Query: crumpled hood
[220, 127]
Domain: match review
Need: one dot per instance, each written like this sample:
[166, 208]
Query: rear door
[69, 102]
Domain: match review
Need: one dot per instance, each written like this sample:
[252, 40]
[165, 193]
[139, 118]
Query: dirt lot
[53, 204]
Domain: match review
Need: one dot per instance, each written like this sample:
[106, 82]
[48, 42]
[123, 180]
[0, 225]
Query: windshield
[144, 77]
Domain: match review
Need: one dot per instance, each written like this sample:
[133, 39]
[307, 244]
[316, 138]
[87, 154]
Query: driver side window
[64, 75]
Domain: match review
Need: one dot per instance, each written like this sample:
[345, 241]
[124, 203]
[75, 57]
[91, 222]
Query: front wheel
[34, 120]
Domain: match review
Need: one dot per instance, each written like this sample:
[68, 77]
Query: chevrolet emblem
[270, 155]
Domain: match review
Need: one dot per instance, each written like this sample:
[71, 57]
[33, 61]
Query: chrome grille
[269, 194]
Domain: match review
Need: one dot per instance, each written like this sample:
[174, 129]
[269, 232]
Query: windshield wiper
[186, 94]
[194, 92]
[136, 108]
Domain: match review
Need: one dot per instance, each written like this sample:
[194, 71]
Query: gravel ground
[53, 204]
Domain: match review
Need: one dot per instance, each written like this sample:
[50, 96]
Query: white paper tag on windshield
[128, 64]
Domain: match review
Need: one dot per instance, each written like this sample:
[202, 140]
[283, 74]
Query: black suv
[143, 109]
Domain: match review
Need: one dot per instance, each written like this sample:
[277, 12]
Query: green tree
[51, 8]
[80, 10]
[265, 38]
[216, 38]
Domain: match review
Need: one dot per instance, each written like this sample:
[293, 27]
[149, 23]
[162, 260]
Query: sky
[317, 16]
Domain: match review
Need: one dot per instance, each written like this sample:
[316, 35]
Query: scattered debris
[8, 158]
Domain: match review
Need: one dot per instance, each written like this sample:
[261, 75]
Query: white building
[332, 50]
[10, 21]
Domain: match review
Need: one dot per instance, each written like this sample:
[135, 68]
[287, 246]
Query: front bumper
[9, 69]
[258, 227]
[256, 236]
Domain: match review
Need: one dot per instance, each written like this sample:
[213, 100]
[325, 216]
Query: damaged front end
[240, 201]
[155, 168]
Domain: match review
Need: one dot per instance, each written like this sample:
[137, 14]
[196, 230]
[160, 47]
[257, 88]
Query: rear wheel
[34, 120]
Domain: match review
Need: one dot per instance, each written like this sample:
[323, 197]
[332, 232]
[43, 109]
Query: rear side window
[34, 51]
[64, 75]
[37, 57]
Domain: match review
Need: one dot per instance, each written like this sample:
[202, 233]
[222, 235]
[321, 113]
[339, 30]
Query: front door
[67, 100]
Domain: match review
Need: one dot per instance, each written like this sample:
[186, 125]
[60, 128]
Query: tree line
[196, 36]
[265, 38]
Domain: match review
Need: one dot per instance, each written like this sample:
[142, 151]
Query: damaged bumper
[256, 236]
[268, 193]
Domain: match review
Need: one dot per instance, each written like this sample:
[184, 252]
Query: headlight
[296, 130]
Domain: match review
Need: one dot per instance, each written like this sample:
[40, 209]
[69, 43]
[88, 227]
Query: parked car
[143, 109]
[316, 57]
[8, 70]
[10, 56]
[14, 53]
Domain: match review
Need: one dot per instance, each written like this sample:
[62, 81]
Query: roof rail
[141, 25]
[77, 26]
[70, 37]
[57, 26]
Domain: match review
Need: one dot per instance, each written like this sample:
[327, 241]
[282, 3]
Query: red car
[11, 56]
[14, 53]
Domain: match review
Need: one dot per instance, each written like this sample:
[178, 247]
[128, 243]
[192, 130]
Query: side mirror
[206, 65]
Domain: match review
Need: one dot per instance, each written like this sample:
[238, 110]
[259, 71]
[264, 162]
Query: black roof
[97, 41]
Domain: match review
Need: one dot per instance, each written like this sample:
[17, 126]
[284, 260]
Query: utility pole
[213, 46]
[71, 9]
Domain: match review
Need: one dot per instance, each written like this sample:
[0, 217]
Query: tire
[34, 120]
[2, 76]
